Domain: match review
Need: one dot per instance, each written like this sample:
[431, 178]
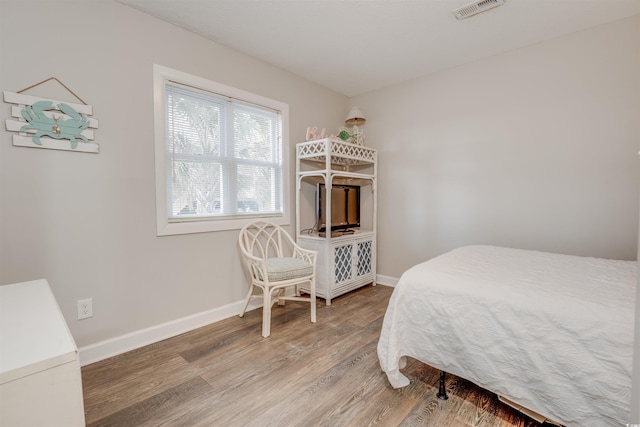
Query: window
[220, 155]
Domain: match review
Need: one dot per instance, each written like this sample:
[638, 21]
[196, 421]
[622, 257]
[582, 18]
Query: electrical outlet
[85, 308]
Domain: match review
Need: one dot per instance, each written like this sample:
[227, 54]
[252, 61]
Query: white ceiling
[355, 46]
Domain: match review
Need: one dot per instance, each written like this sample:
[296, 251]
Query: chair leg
[246, 301]
[266, 312]
[312, 298]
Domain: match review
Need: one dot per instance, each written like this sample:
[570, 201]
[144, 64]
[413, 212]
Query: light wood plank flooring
[304, 374]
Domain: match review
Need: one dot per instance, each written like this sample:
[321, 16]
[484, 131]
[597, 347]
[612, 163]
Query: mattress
[551, 332]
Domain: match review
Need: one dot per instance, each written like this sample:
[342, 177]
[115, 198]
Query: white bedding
[551, 332]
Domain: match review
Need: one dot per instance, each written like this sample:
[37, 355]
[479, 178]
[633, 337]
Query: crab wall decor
[54, 127]
[47, 123]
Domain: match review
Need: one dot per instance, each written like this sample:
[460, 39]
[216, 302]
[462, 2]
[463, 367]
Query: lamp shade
[355, 117]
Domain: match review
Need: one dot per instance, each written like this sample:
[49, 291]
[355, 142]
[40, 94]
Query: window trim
[167, 227]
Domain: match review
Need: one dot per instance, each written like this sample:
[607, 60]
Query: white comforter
[551, 332]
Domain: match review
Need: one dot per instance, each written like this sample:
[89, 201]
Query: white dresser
[40, 382]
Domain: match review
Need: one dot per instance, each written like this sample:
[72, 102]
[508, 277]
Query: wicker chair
[275, 262]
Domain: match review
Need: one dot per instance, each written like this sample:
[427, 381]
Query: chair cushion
[287, 268]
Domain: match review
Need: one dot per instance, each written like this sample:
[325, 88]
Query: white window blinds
[224, 157]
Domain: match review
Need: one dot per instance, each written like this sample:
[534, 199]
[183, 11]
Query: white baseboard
[386, 280]
[112, 347]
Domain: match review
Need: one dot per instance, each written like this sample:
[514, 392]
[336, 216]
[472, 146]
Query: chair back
[262, 240]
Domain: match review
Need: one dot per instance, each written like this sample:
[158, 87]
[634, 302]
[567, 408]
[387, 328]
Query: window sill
[165, 228]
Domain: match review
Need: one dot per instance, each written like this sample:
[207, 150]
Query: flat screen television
[345, 207]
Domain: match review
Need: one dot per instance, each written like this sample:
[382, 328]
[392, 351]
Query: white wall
[536, 148]
[86, 222]
[635, 394]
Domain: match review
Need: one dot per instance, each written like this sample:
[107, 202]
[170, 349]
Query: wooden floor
[304, 374]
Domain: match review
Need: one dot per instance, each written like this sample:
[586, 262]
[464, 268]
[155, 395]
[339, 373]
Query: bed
[550, 332]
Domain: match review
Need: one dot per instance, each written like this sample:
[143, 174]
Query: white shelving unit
[345, 261]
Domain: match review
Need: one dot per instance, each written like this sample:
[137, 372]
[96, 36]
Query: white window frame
[161, 76]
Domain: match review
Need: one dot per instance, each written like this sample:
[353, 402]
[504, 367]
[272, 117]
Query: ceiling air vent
[475, 8]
